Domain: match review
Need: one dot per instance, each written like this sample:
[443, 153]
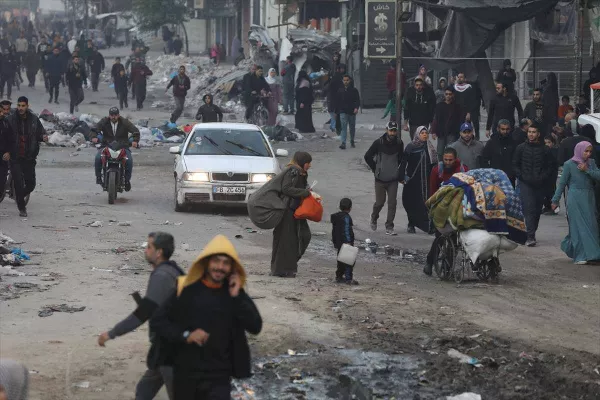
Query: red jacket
[390, 80]
[436, 178]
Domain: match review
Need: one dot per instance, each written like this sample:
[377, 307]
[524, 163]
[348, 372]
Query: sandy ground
[536, 334]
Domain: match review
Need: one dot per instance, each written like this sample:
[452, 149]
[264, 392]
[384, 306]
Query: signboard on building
[215, 8]
[380, 29]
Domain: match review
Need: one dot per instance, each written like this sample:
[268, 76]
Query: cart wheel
[444, 256]
[483, 272]
[458, 270]
[494, 269]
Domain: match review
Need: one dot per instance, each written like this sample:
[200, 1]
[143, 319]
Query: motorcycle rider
[29, 133]
[116, 128]
[7, 142]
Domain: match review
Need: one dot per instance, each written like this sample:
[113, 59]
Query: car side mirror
[281, 153]
[175, 150]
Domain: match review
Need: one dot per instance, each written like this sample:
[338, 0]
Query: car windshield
[223, 141]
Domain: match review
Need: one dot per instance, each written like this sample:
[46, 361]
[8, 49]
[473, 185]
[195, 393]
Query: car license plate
[229, 189]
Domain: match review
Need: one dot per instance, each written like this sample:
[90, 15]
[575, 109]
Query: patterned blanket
[445, 207]
[494, 199]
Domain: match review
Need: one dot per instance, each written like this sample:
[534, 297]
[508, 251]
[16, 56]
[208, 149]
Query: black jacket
[209, 113]
[180, 85]
[32, 62]
[124, 128]
[535, 112]
[533, 164]
[76, 76]
[381, 146]
[419, 108]
[121, 83]
[469, 99]
[34, 130]
[96, 62]
[447, 121]
[54, 66]
[566, 149]
[519, 136]
[8, 139]
[184, 313]
[8, 65]
[504, 108]
[116, 68]
[332, 87]
[498, 154]
[348, 100]
[342, 231]
[507, 76]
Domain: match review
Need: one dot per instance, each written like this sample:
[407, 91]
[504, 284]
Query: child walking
[121, 82]
[343, 233]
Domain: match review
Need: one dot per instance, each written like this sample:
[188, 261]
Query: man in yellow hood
[203, 326]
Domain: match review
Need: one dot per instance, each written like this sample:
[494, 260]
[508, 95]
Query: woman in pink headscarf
[582, 243]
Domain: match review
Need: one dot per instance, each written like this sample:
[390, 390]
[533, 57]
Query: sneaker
[325, 136]
[373, 226]
[343, 146]
[56, 102]
[127, 186]
[98, 180]
[411, 229]
[428, 269]
[339, 280]
[23, 213]
[352, 145]
[390, 232]
[531, 243]
[352, 282]
[581, 263]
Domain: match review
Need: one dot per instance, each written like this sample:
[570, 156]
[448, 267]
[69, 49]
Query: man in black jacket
[96, 63]
[115, 128]
[54, 70]
[181, 84]
[8, 69]
[114, 72]
[419, 107]
[254, 85]
[468, 97]
[519, 134]
[446, 124]
[75, 77]
[507, 75]
[203, 327]
[499, 150]
[532, 163]
[503, 106]
[29, 133]
[534, 110]
[348, 103]
[209, 112]
[8, 141]
[162, 285]
[384, 158]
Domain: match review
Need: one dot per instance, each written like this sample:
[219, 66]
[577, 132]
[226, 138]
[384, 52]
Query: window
[228, 142]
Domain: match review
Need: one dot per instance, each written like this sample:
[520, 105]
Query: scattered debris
[47, 311]
[95, 224]
[463, 358]
[124, 223]
[465, 396]
[82, 385]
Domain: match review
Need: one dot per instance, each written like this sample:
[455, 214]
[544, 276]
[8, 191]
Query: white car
[223, 163]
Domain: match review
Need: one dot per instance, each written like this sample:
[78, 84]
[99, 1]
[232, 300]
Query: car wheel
[178, 207]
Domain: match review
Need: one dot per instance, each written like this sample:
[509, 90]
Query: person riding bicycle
[254, 87]
[29, 133]
[115, 128]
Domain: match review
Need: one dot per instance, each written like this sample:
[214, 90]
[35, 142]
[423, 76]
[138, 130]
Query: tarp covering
[313, 43]
[557, 26]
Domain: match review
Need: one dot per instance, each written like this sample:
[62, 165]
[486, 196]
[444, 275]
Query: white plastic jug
[348, 254]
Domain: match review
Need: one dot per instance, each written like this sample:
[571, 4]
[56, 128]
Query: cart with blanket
[478, 215]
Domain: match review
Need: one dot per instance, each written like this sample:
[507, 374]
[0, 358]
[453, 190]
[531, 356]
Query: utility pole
[87, 20]
[399, 82]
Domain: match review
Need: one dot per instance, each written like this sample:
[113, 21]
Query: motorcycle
[113, 158]
[9, 188]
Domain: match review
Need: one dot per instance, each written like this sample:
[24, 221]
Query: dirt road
[536, 335]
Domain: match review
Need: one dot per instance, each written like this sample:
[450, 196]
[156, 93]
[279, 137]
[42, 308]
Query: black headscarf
[303, 75]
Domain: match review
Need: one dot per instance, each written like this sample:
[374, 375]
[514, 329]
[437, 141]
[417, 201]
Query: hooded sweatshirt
[440, 93]
[468, 152]
[467, 97]
[384, 158]
[419, 107]
[198, 304]
[209, 112]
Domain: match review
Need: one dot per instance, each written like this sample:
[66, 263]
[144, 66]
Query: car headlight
[262, 178]
[196, 176]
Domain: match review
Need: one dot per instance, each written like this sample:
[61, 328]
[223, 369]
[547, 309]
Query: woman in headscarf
[419, 158]
[304, 101]
[291, 236]
[582, 243]
[550, 101]
[14, 380]
[276, 95]
[423, 75]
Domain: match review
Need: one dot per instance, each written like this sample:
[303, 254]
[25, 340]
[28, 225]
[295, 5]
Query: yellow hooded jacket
[219, 245]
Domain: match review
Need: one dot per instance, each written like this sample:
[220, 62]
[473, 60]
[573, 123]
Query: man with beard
[181, 84]
[534, 110]
[503, 106]
[288, 74]
[468, 96]
[8, 69]
[467, 147]
[29, 132]
[8, 141]
[507, 76]
[348, 103]
[75, 78]
[96, 63]
[519, 134]
[443, 171]
[54, 70]
[162, 286]
[419, 108]
[209, 112]
[139, 74]
[447, 122]
[499, 150]
[204, 325]
[254, 85]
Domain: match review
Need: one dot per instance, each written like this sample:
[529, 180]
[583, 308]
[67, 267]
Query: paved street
[543, 305]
